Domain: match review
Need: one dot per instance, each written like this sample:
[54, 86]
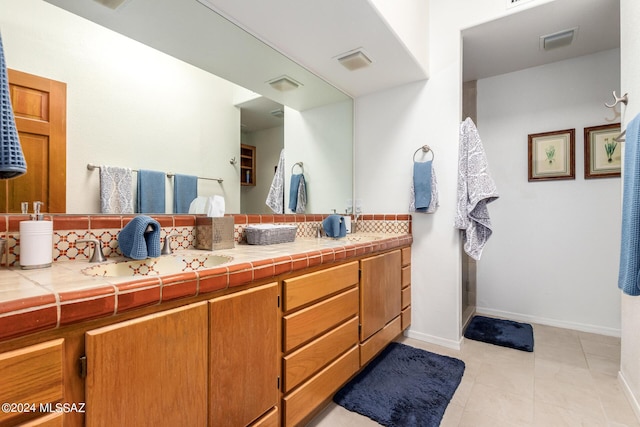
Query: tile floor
[569, 380]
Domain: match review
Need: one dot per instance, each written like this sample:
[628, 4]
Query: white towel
[301, 204]
[435, 198]
[116, 190]
[275, 198]
[475, 190]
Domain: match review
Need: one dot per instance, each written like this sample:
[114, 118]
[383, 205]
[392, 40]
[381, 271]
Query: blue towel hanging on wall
[422, 185]
[628, 275]
[151, 192]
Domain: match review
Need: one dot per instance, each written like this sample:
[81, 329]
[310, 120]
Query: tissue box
[214, 233]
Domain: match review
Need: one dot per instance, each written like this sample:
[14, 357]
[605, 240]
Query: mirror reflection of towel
[185, 190]
[151, 193]
[116, 190]
[275, 198]
[298, 194]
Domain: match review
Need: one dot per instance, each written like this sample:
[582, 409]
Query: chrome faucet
[166, 247]
[97, 255]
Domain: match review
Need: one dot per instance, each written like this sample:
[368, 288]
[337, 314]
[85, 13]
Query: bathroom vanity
[259, 341]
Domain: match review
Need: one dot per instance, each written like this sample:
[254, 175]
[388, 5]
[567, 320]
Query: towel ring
[297, 164]
[425, 149]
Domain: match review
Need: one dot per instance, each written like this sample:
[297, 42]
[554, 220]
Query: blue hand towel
[138, 243]
[185, 191]
[422, 185]
[628, 279]
[334, 226]
[297, 194]
[151, 196]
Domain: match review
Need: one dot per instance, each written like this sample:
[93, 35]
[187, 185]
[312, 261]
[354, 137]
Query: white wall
[630, 82]
[326, 152]
[553, 257]
[127, 105]
[390, 126]
[269, 144]
[408, 24]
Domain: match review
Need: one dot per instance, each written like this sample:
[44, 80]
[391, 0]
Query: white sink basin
[156, 266]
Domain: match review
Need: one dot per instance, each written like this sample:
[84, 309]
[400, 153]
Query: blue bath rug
[505, 333]
[403, 387]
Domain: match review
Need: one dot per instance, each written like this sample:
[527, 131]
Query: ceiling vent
[354, 60]
[279, 113]
[284, 83]
[559, 39]
[111, 4]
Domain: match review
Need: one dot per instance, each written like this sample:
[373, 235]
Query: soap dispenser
[36, 240]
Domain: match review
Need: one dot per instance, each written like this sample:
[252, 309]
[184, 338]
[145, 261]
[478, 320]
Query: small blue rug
[505, 333]
[403, 387]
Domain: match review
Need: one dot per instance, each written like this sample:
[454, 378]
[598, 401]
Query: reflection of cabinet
[247, 165]
[380, 302]
[149, 371]
[243, 357]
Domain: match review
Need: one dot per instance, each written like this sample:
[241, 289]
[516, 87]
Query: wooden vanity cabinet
[320, 338]
[380, 302]
[244, 358]
[406, 287]
[149, 371]
[32, 376]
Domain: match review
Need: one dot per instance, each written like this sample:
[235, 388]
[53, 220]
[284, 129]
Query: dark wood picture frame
[602, 153]
[552, 155]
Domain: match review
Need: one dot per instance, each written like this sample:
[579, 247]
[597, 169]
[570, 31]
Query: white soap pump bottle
[36, 240]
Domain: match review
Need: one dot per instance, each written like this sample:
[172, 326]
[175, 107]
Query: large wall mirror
[172, 86]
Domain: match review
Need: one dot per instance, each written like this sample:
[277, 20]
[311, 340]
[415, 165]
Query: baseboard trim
[629, 395]
[549, 322]
[455, 345]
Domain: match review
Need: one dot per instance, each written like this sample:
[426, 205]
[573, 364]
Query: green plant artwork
[550, 151]
[609, 148]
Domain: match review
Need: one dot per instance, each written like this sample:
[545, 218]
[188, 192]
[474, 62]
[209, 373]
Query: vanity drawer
[31, 375]
[379, 340]
[406, 317]
[406, 297]
[406, 276]
[306, 324]
[406, 256]
[303, 363]
[305, 289]
[310, 395]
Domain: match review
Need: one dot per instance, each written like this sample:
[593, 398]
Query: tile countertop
[48, 298]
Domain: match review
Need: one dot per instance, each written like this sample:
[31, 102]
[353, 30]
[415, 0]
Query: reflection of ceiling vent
[514, 3]
[284, 83]
[279, 113]
[559, 39]
[111, 4]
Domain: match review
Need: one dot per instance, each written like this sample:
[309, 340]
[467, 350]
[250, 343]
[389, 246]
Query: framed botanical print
[552, 155]
[602, 152]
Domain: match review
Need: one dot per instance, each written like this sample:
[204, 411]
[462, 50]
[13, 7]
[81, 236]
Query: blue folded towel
[334, 226]
[628, 275]
[185, 191]
[422, 185]
[151, 194]
[138, 243]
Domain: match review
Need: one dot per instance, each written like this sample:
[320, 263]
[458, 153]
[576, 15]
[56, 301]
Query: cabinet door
[150, 371]
[243, 356]
[380, 292]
